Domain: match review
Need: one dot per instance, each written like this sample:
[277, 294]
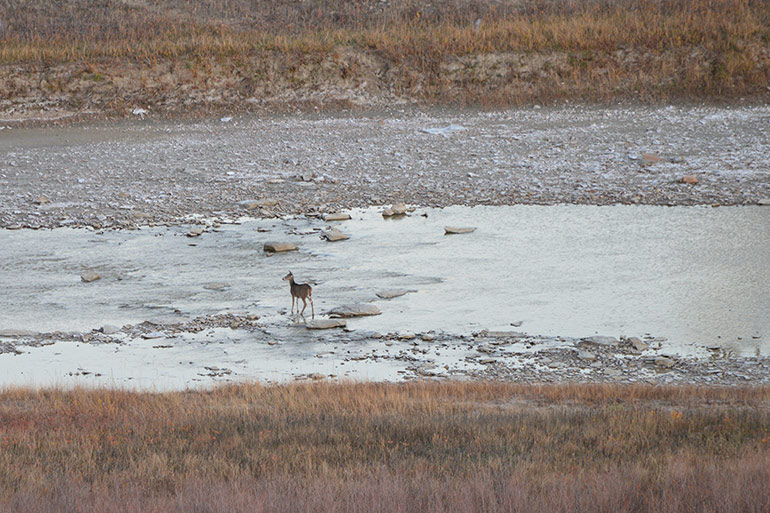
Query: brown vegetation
[379, 447]
[240, 54]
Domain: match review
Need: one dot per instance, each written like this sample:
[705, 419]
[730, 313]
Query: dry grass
[537, 50]
[377, 447]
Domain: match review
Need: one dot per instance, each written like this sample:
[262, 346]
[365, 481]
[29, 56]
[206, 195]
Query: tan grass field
[237, 54]
[381, 447]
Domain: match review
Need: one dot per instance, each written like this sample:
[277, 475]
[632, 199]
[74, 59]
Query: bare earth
[146, 172]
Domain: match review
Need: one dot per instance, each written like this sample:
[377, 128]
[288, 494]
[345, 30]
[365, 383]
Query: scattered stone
[406, 336]
[598, 340]
[765, 202]
[13, 227]
[689, 179]
[216, 285]
[449, 230]
[254, 204]
[427, 337]
[336, 217]
[8, 348]
[487, 361]
[16, 333]
[89, 276]
[354, 310]
[638, 343]
[397, 209]
[391, 293]
[40, 200]
[279, 247]
[153, 334]
[325, 324]
[650, 158]
[517, 324]
[272, 342]
[109, 329]
[195, 231]
[586, 356]
[315, 376]
[334, 235]
[485, 349]
[664, 361]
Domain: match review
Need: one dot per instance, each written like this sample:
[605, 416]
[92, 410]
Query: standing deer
[299, 291]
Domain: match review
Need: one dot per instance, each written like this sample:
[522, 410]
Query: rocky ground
[485, 355]
[147, 173]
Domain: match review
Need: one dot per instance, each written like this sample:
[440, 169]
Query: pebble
[449, 230]
[89, 276]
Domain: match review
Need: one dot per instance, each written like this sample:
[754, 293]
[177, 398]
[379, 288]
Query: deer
[299, 291]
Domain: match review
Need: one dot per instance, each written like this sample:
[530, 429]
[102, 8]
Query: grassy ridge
[437, 447]
[484, 53]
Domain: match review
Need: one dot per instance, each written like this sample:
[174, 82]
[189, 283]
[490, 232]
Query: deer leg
[304, 305]
[292, 304]
[312, 308]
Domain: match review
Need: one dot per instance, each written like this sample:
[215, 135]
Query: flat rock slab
[217, 285]
[765, 202]
[354, 310]
[16, 333]
[336, 217]
[450, 230]
[153, 334]
[325, 324]
[279, 247]
[334, 235]
[599, 340]
[391, 293]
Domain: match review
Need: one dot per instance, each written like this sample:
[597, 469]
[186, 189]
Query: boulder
[354, 310]
[279, 247]
[334, 235]
[397, 209]
[195, 231]
[336, 217]
[689, 179]
[765, 202]
[325, 324]
[449, 230]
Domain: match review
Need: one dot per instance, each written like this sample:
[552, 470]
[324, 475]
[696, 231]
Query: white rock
[354, 310]
[89, 276]
[325, 324]
[336, 217]
[391, 293]
[449, 230]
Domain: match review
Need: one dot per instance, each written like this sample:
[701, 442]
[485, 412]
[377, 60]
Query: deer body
[299, 291]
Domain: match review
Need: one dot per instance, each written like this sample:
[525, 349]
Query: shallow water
[697, 276]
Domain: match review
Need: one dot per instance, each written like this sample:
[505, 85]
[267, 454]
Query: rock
[216, 285]
[8, 348]
[637, 343]
[89, 276]
[397, 209]
[391, 293]
[325, 324]
[279, 247]
[449, 230]
[487, 361]
[585, 355]
[598, 340]
[517, 324]
[427, 337]
[485, 349]
[334, 235]
[406, 336]
[109, 329]
[664, 361]
[16, 333]
[315, 376]
[195, 231]
[40, 200]
[14, 227]
[336, 217]
[650, 158]
[253, 204]
[765, 202]
[689, 179]
[153, 334]
[354, 310]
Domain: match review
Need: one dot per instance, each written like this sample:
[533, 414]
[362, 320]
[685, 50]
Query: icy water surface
[697, 276]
